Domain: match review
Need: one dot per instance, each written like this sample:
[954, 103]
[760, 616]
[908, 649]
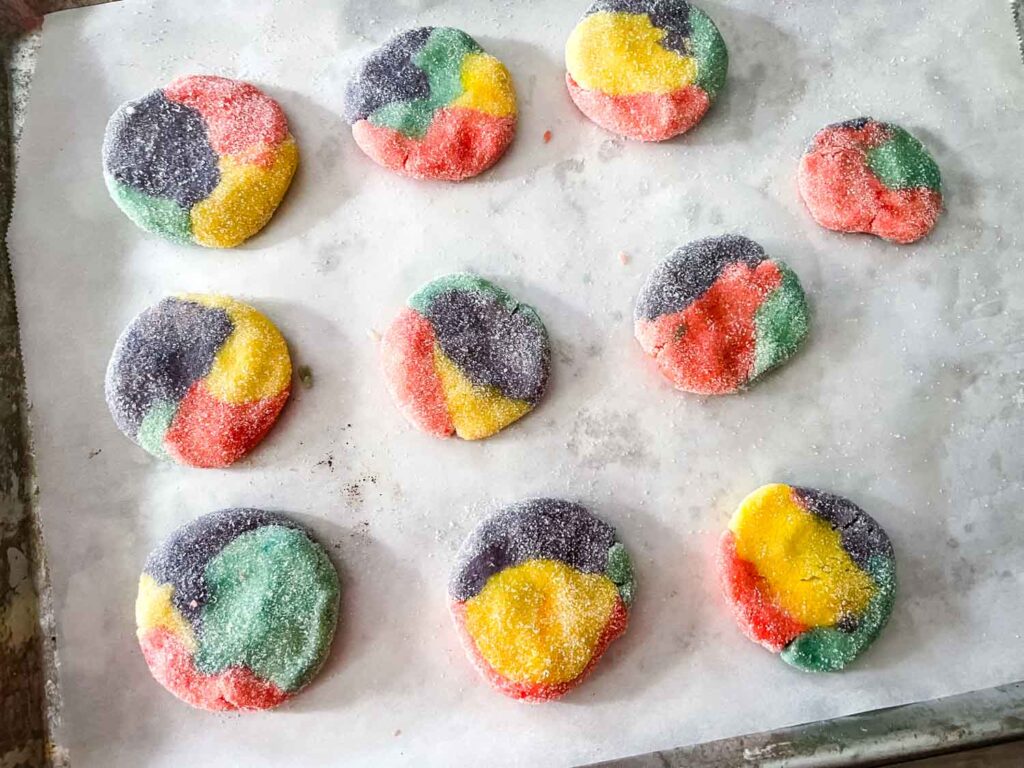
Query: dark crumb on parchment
[354, 491]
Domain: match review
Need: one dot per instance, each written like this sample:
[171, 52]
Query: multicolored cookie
[205, 160]
[538, 592]
[645, 69]
[867, 176]
[465, 358]
[718, 313]
[237, 610]
[198, 379]
[430, 104]
[808, 574]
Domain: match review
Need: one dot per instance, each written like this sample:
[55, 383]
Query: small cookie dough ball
[198, 379]
[431, 104]
[465, 358]
[808, 574]
[718, 313]
[645, 69]
[867, 176]
[236, 610]
[538, 592]
[205, 160]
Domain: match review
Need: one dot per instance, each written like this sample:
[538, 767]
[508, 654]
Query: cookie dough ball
[465, 358]
[430, 104]
[205, 160]
[645, 69]
[236, 610]
[808, 574]
[867, 176]
[538, 592]
[198, 379]
[718, 313]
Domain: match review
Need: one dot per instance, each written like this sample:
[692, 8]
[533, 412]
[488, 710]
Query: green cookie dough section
[781, 322]
[458, 281]
[161, 217]
[620, 571]
[710, 52]
[155, 425]
[903, 163]
[273, 606]
[827, 649]
[441, 60]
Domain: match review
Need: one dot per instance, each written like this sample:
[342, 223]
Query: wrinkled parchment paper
[908, 398]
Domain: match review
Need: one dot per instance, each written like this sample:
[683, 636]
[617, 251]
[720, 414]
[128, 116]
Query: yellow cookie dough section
[476, 411]
[621, 54]
[154, 610]
[539, 622]
[254, 361]
[486, 86]
[245, 199]
[800, 556]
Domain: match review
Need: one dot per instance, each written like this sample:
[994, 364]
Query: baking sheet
[908, 398]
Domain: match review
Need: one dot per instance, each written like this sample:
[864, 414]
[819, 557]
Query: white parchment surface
[908, 397]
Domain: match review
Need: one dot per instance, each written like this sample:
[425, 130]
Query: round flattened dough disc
[430, 103]
[867, 176]
[808, 575]
[236, 610]
[199, 379]
[645, 69]
[538, 591]
[718, 313]
[205, 160]
[465, 358]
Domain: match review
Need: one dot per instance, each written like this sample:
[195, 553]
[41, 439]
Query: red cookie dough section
[642, 116]
[458, 144]
[236, 688]
[758, 617]
[843, 194]
[240, 119]
[408, 360]
[709, 347]
[207, 432]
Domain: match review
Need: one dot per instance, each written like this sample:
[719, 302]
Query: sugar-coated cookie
[718, 313]
[199, 379]
[431, 104]
[809, 575]
[868, 176]
[645, 69]
[204, 160]
[236, 610]
[538, 592]
[465, 358]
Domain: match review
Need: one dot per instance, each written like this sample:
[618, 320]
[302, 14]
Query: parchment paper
[907, 399]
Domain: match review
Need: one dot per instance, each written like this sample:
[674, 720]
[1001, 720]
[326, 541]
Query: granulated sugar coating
[430, 104]
[205, 160]
[808, 574]
[645, 69]
[198, 379]
[718, 313]
[538, 592]
[465, 358]
[866, 176]
[236, 610]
